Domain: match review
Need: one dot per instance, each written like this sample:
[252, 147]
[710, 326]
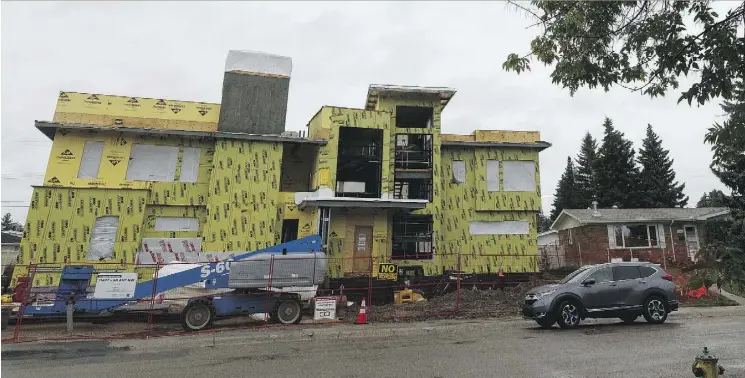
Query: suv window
[572, 277]
[647, 271]
[626, 272]
[602, 275]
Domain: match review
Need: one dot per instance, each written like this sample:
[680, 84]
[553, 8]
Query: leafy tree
[617, 172]
[657, 178]
[644, 46]
[715, 198]
[587, 183]
[9, 225]
[728, 144]
[727, 253]
[565, 196]
[723, 253]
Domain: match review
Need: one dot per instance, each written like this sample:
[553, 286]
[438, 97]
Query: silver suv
[616, 290]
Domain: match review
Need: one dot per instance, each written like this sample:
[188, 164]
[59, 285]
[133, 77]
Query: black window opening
[414, 117]
[359, 163]
[412, 237]
[289, 230]
[296, 167]
[634, 236]
[413, 189]
[413, 151]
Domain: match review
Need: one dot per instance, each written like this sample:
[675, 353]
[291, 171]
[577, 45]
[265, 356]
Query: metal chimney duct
[595, 212]
[255, 89]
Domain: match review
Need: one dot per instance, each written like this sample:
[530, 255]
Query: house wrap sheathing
[144, 180]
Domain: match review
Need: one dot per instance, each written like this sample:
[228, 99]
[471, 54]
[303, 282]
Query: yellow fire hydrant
[705, 365]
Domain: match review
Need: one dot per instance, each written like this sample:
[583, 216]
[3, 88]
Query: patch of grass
[708, 301]
[734, 290]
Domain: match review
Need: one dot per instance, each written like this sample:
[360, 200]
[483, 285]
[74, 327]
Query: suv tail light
[668, 277]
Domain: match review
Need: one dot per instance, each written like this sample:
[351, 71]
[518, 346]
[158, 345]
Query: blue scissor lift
[297, 263]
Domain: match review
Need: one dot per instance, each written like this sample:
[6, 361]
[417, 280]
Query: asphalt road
[488, 348]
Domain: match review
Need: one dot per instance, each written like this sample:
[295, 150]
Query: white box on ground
[325, 308]
[115, 286]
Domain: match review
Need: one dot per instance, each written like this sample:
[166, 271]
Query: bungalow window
[634, 236]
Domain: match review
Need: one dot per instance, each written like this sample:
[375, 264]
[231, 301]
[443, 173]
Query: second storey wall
[511, 246]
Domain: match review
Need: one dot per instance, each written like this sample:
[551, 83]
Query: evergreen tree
[617, 172]
[657, 178]
[715, 198]
[8, 224]
[586, 177]
[565, 196]
[543, 223]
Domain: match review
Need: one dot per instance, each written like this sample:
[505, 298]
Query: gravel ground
[471, 303]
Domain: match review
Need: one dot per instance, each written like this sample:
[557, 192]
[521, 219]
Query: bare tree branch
[515, 4]
[644, 6]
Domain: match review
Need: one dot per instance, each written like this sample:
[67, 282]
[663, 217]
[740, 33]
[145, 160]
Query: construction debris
[471, 303]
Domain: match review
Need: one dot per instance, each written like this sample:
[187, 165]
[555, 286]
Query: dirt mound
[472, 302]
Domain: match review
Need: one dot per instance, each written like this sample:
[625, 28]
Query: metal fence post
[370, 283]
[457, 284]
[268, 310]
[69, 309]
[152, 300]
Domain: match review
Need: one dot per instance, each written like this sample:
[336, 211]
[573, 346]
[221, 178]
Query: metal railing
[413, 159]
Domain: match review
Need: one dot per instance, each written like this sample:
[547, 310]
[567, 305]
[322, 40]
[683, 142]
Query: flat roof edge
[49, 128]
[539, 145]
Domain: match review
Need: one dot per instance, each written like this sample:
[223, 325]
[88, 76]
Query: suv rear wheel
[655, 310]
[568, 314]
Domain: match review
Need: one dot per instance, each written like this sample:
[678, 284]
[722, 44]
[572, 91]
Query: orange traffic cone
[362, 317]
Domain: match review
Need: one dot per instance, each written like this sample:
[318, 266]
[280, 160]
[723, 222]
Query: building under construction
[134, 180]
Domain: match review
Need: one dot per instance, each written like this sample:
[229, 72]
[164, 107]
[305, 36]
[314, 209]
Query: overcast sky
[177, 50]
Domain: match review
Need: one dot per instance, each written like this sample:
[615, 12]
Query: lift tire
[287, 311]
[197, 315]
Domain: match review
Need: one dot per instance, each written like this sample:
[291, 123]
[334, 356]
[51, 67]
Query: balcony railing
[412, 238]
[368, 151]
[413, 159]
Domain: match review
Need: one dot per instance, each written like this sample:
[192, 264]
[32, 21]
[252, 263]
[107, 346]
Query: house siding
[590, 245]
